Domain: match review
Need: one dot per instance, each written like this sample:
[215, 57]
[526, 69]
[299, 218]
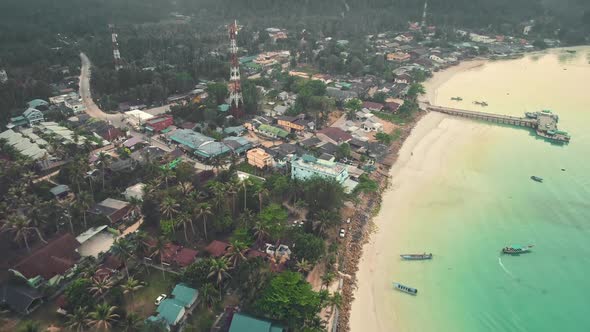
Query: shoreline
[364, 223]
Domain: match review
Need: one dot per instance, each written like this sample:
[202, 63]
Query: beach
[461, 184]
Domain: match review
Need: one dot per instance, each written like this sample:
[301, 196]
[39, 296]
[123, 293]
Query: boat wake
[504, 267]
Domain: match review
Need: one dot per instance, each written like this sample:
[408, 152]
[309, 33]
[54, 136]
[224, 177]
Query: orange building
[259, 158]
[291, 123]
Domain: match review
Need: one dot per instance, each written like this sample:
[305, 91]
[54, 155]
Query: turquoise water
[484, 200]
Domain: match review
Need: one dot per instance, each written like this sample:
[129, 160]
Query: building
[3, 76]
[334, 135]
[244, 323]
[238, 145]
[371, 106]
[50, 263]
[60, 191]
[272, 132]
[135, 191]
[38, 104]
[398, 57]
[202, 146]
[157, 124]
[115, 210]
[259, 158]
[403, 79]
[24, 146]
[217, 248]
[173, 310]
[293, 123]
[308, 167]
[340, 95]
[30, 117]
[372, 124]
[21, 299]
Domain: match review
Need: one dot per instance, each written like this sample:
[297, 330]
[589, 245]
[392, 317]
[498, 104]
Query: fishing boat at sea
[457, 98]
[416, 257]
[481, 103]
[405, 289]
[517, 249]
[537, 179]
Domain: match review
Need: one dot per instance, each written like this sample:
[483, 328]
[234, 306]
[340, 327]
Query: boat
[457, 98]
[416, 257]
[537, 179]
[405, 289]
[517, 249]
[481, 103]
[531, 115]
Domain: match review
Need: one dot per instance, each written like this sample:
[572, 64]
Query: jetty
[544, 122]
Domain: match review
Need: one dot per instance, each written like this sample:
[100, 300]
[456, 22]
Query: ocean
[477, 197]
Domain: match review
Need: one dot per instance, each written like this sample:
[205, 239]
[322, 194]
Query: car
[269, 249]
[342, 232]
[348, 220]
[160, 298]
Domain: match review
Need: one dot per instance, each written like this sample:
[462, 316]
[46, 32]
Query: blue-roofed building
[223, 108]
[238, 145]
[36, 103]
[308, 167]
[245, 323]
[212, 150]
[190, 138]
[173, 310]
[33, 116]
[237, 130]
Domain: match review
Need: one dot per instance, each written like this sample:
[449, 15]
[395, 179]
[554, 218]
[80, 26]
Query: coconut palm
[335, 300]
[232, 189]
[140, 243]
[327, 278]
[100, 285]
[20, 227]
[218, 190]
[104, 159]
[246, 218]
[236, 252]
[261, 230]
[77, 319]
[27, 178]
[303, 266]
[158, 250]
[122, 249]
[169, 207]
[166, 174]
[218, 271]
[184, 219]
[208, 295]
[130, 287]
[65, 208]
[202, 211]
[131, 323]
[185, 188]
[324, 220]
[135, 203]
[103, 317]
[85, 201]
[29, 326]
[245, 183]
[262, 193]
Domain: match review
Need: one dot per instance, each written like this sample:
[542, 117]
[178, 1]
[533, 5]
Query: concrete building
[308, 167]
[157, 124]
[3, 76]
[259, 158]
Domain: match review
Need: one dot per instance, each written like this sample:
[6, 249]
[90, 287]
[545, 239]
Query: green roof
[273, 130]
[36, 103]
[185, 294]
[169, 310]
[245, 323]
[223, 107]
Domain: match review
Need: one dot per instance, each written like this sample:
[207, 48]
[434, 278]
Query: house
[280, 109]
[340, 95]
[60, 191]
[334, 135]
[217, 248]
[135, 191]
[293, 123]
[308, 167]
[50, 263]
[372, 125]
[371, 106]
[173, 310]
[22, 299]
[403, 79]
[244, 323]
[238, 145]
[115, 210]
[392, 106]
[94, 241]
[404, 38]
[202, 146]
[398, 56]
[436, 59]
[157, 124]
[30, 117]
[259, 158]
[37, 104]
[311, 142]
[272, 132]
[23, 145]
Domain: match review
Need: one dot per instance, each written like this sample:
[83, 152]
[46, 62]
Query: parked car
[269, 249]
[160, 298]
[342, 232]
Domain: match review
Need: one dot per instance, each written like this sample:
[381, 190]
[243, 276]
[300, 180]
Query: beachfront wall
[308, 167]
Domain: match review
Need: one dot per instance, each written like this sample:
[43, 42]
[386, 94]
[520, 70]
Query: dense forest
[40, 38]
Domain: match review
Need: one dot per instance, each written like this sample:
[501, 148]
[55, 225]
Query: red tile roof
[372, 106]
[336, 134]
[185, 257]
[392, 106]
[217, 248]
[55, 258]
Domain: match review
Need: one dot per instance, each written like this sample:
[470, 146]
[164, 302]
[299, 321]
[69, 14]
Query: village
[191, 225]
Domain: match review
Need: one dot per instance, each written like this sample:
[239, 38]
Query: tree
[335, 300]
[379, 97]
[184, 219]
[218, 270]
[327, 279]
[158, 251]
[122, 249]
[303, 266]
[208, 295]
[325, 220]
[245, 183]
[130, 287]
[85, 201]
[323, 194]
[343, 151]
[132, 322]
[102, 317]
[104, 160]
[77, 319]
[415, 90]
[356, 66]
[77, 295]
[29, 326]
[166, 175]
[236, 252]
[307, 246]
[169, 207]
[203, 210]
[218, 91]
[20, 227]
[288, 298]
[100, 285]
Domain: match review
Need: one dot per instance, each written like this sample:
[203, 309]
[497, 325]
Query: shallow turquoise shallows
[485, 200]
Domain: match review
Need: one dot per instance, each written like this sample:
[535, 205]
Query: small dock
[544, 123]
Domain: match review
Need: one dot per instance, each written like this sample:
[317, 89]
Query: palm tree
[166, 174]
[131, 323]
[203, 210]
[232, 189]
[262, 192]
[65, 207]
[219, 190]
[218, 271]
[135, 203]
[236, 252]
[246, 218]
[77, 319]
[185, 218]
[27, 178]
[140, 243]
[327, 278]
[261, 230]
[85, 201]
[335, 300]
[325, 220]
[103, 317]
[100, 285]
[37, 211]
[245, 183]
[208, 295]
[169, 207]
[20, 227]
[185, 188]
[30, 326]
[303, 266]
[122, 249]
[105, 160]
[158, 250]
[130, 286]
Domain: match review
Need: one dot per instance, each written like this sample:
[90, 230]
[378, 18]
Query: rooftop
[245, 323]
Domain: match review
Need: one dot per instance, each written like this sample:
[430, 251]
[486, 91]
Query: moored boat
[517, 249]
[416, 257]
[536, 178]
[405, 289]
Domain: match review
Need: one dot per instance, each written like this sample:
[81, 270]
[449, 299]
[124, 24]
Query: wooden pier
[490, 117]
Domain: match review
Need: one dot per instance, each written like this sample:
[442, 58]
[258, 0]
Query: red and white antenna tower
[235, 87]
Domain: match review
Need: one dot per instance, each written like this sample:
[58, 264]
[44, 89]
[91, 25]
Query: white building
[3, 76]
